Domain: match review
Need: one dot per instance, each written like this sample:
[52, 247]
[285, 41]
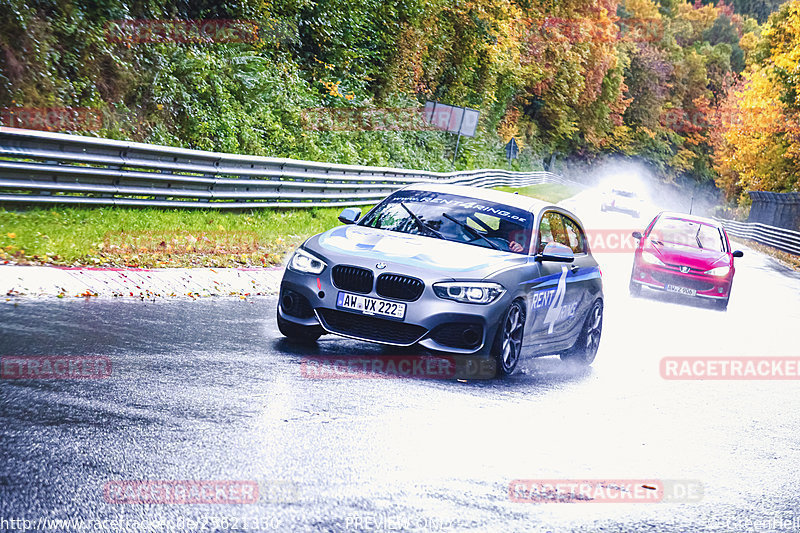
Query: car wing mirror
[637, 235]
[738, 253]
[557, 253]
[350, 215]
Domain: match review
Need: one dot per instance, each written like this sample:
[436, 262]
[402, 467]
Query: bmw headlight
[306, 263]
[647, 257]
[719, 271]
[471, 292]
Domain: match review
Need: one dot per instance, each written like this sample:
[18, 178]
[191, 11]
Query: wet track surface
[208, 390]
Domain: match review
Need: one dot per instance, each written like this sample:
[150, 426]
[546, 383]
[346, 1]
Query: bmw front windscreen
[454, 218]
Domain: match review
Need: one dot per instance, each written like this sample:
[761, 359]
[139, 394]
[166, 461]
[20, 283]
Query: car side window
[650, 226]
[555, 227]
[575, 236]
[546, 234]
[559, 229]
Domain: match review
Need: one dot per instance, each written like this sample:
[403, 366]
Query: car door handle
[574, 268]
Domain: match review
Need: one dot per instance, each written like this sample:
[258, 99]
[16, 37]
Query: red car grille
[682, 281]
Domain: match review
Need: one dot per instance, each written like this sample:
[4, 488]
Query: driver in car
[507, 233]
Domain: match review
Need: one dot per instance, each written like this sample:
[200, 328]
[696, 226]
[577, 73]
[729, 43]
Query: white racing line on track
[43, 281]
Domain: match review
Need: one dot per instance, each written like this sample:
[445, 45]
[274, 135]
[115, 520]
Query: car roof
[693, 218]
[520, 201]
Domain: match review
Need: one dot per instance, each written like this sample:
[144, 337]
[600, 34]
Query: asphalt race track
[209, 390]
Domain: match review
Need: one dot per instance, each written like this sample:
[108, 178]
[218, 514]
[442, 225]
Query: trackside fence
[53, 168]
[782, 239]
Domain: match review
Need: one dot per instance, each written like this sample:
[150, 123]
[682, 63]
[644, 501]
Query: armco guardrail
[782, 239]
[46, 168]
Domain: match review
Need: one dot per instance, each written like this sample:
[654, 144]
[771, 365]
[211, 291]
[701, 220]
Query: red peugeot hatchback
[684, 254]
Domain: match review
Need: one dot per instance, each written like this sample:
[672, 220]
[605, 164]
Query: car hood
[345, 243]
[696, 258]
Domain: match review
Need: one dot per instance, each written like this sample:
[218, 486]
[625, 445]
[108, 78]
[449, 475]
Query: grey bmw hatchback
[453, 269]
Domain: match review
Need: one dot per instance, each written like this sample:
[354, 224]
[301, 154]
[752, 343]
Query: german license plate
[371, 306]
[681, 290]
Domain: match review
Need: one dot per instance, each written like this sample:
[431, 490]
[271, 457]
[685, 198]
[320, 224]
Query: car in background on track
[451, 269]
[623, 201]
[684, 254]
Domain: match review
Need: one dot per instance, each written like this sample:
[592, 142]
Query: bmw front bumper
[432, 322]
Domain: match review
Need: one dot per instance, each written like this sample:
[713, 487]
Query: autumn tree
[757, 145]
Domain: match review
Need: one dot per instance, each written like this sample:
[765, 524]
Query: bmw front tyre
[508, 341]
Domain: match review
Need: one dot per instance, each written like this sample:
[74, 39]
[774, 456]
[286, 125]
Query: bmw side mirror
[557, 253]
[738, 253]
[350, 215]
[637, 235]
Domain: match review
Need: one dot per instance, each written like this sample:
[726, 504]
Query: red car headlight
[719, 271]
[647, 257]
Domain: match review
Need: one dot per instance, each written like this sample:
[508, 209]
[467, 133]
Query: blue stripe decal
[592, 273]
[583, 274]
[544, 281]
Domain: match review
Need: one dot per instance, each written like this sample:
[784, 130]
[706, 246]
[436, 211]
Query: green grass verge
[549, 192]
[155, 237]
[151, 238]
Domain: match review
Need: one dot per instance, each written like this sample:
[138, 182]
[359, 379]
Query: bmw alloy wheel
[585, 349]
[509, 341]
